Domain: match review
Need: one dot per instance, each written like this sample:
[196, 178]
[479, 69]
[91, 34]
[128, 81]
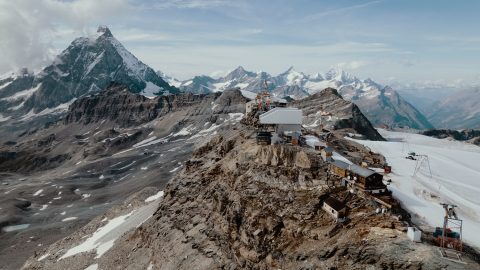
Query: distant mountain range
[87, 66]
[90, 64]
[381, 104]
[457, 111]
[446, 105]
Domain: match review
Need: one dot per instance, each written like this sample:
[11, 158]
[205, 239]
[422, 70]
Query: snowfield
[455, 178]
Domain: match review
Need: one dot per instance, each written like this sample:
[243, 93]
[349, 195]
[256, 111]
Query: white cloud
[28, 28]
[164, 4]
[352, 65]
[338, 11]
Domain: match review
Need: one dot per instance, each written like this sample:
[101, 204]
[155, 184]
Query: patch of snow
[15, 227]
[185, 131]
[175, 169]
[154, 197]
[104, 247]
[23, 94]
[59, 109]
[3, 119]
[84, 196]
[94, 63]
[101, 177]
[92, 267]
[151, 90]
[69, 219]
[5, 85]
[38, 192]
[235, 117]
[63, 213]
[43, 257]
[94, 241]
[144, 141]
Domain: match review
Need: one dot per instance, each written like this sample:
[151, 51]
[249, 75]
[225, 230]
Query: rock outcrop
[327, 109]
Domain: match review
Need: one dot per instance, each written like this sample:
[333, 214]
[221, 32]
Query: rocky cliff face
[327, 109]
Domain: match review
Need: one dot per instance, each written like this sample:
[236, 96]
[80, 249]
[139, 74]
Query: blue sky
[410, 41]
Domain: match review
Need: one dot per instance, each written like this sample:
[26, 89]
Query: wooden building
[339, 168]
[364, 179]
[327, 153]
[367, 180]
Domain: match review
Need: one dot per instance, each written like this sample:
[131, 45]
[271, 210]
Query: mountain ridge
[381, 104]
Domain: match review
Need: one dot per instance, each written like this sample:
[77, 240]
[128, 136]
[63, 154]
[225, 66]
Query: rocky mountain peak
[104, 31]
[239, 73]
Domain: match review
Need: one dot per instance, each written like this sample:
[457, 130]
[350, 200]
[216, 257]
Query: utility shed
[334, 207]
[414, 234]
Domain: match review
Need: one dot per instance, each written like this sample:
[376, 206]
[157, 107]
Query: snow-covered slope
[88, 65]
[381, 104]
[455, 178]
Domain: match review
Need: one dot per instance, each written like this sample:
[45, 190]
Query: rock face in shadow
[327, 109]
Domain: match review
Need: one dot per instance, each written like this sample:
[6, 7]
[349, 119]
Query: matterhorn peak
[103, 30]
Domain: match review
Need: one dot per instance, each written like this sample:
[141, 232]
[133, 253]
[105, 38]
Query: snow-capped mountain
[381, 104]
[88, 65]
[457, 111]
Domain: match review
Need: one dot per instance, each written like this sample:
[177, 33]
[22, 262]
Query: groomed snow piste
[455, 178]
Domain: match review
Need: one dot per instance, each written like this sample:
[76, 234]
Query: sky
[386, 40]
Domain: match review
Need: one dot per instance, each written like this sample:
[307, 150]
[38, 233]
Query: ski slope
[454, 178]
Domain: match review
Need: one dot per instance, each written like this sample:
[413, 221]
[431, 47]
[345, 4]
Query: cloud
[352, 65]
[28, 28]
[338, 11]
[192, 4]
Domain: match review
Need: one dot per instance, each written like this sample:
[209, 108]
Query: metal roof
[282, 116]
[353, 168]
[340, 164]
[361, 170]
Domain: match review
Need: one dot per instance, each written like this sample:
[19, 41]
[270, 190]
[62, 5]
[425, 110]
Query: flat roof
[334, 203]
[282, 116]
